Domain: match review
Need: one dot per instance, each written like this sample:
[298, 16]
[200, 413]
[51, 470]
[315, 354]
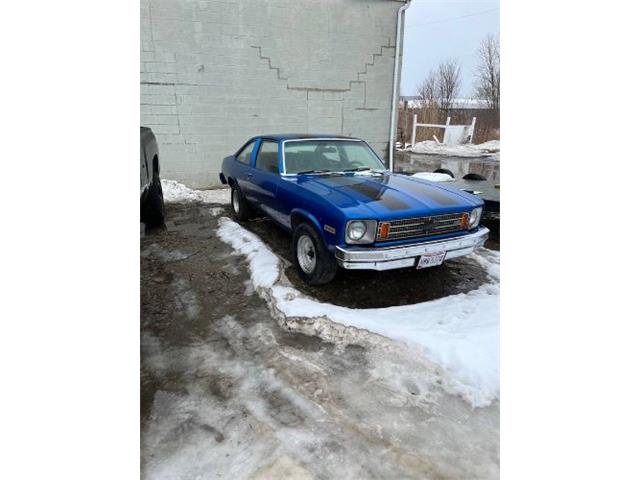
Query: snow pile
[433, 176]
[219, 195]
[460, 332]
[175, 192]
[264, 265]
[487, 149]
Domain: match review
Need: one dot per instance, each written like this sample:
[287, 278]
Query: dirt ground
[227, 393]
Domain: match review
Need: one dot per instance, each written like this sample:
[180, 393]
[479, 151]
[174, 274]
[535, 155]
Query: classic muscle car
[345, 210]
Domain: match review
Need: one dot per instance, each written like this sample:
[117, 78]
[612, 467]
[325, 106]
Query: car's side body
[328, 202]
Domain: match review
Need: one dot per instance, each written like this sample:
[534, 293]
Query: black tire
[445, 170]
[153, 205]
[324, 268]
[239, 205]
[473, 176]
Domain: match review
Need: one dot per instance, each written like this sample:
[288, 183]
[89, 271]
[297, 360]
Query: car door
[267, 178]
[245, 170]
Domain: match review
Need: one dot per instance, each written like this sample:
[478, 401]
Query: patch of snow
[176, 192]
[186, 300]
[218, 195]
[487, 149]
[461, 332]
[194, 435]
[434, 177]
[264, 264]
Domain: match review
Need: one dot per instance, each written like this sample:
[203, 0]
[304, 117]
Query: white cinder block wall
[214, 73]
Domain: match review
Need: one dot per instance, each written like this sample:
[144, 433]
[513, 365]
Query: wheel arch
[299, 215]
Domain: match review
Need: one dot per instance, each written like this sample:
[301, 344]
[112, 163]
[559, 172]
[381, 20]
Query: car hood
[388, 195]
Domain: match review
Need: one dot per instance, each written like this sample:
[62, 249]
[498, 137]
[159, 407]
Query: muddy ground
[227, 393]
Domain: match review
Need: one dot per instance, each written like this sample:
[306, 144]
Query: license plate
[431, 260]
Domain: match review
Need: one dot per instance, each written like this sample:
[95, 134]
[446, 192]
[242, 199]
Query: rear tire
[445, 170]
[153, 205]
[314, 262]
[239, 205]
[473, 176]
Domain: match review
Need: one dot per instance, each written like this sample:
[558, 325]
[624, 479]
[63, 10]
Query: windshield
[325, 156]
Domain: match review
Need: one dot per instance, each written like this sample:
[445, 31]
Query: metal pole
[413, 133]
[396, 75]
[473, 128]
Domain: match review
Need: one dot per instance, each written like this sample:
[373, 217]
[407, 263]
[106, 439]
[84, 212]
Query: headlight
[356, 231]
[361, 231]
[474, 217]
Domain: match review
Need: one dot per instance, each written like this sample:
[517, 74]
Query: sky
[436, 30]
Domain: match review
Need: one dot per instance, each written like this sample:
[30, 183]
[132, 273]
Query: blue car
[345, 209]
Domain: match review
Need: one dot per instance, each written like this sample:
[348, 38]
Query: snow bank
[460, 332]
[433, 176]
[175, 192]
[264, 265]
[487, 149]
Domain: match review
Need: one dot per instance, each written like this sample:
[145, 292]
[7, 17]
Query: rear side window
[267, 158]
[245, 155]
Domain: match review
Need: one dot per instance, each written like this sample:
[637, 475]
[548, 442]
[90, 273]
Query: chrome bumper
[388, 258]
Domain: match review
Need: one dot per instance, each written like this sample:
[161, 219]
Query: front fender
[300, 214]
[330, 238]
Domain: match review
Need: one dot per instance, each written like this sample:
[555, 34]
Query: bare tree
[442, 86]
[448, 83]
[488, 72]
[428, 91]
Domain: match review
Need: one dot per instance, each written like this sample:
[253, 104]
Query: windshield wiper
[364, 169]
[309, 172]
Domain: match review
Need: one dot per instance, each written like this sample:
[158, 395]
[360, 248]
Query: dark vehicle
[345, 210]
[486, 190]
[151, 199]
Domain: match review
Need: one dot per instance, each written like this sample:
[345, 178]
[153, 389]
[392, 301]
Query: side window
[245, 155]
[267, 158]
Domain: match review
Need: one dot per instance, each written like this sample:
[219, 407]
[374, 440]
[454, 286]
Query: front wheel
[314, 262]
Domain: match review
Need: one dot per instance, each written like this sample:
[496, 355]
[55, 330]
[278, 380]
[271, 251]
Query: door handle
[249, 175]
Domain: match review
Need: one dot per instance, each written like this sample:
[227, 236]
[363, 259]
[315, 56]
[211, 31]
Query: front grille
[422, 226]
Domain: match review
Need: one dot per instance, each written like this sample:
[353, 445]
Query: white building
[214, 73]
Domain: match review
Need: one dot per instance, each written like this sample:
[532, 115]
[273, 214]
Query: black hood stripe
[434, 193]
[375, 190]
[376, 193]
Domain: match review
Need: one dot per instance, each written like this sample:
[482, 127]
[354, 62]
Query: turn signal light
[384, 230]
[465, 220]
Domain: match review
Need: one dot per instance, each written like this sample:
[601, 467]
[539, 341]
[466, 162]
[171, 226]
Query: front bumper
[388, 258]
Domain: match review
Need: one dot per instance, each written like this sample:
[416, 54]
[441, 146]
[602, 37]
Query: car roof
[294, 136]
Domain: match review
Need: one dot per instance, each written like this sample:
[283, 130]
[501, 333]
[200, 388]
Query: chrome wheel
[306, 252]
[235, 202]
